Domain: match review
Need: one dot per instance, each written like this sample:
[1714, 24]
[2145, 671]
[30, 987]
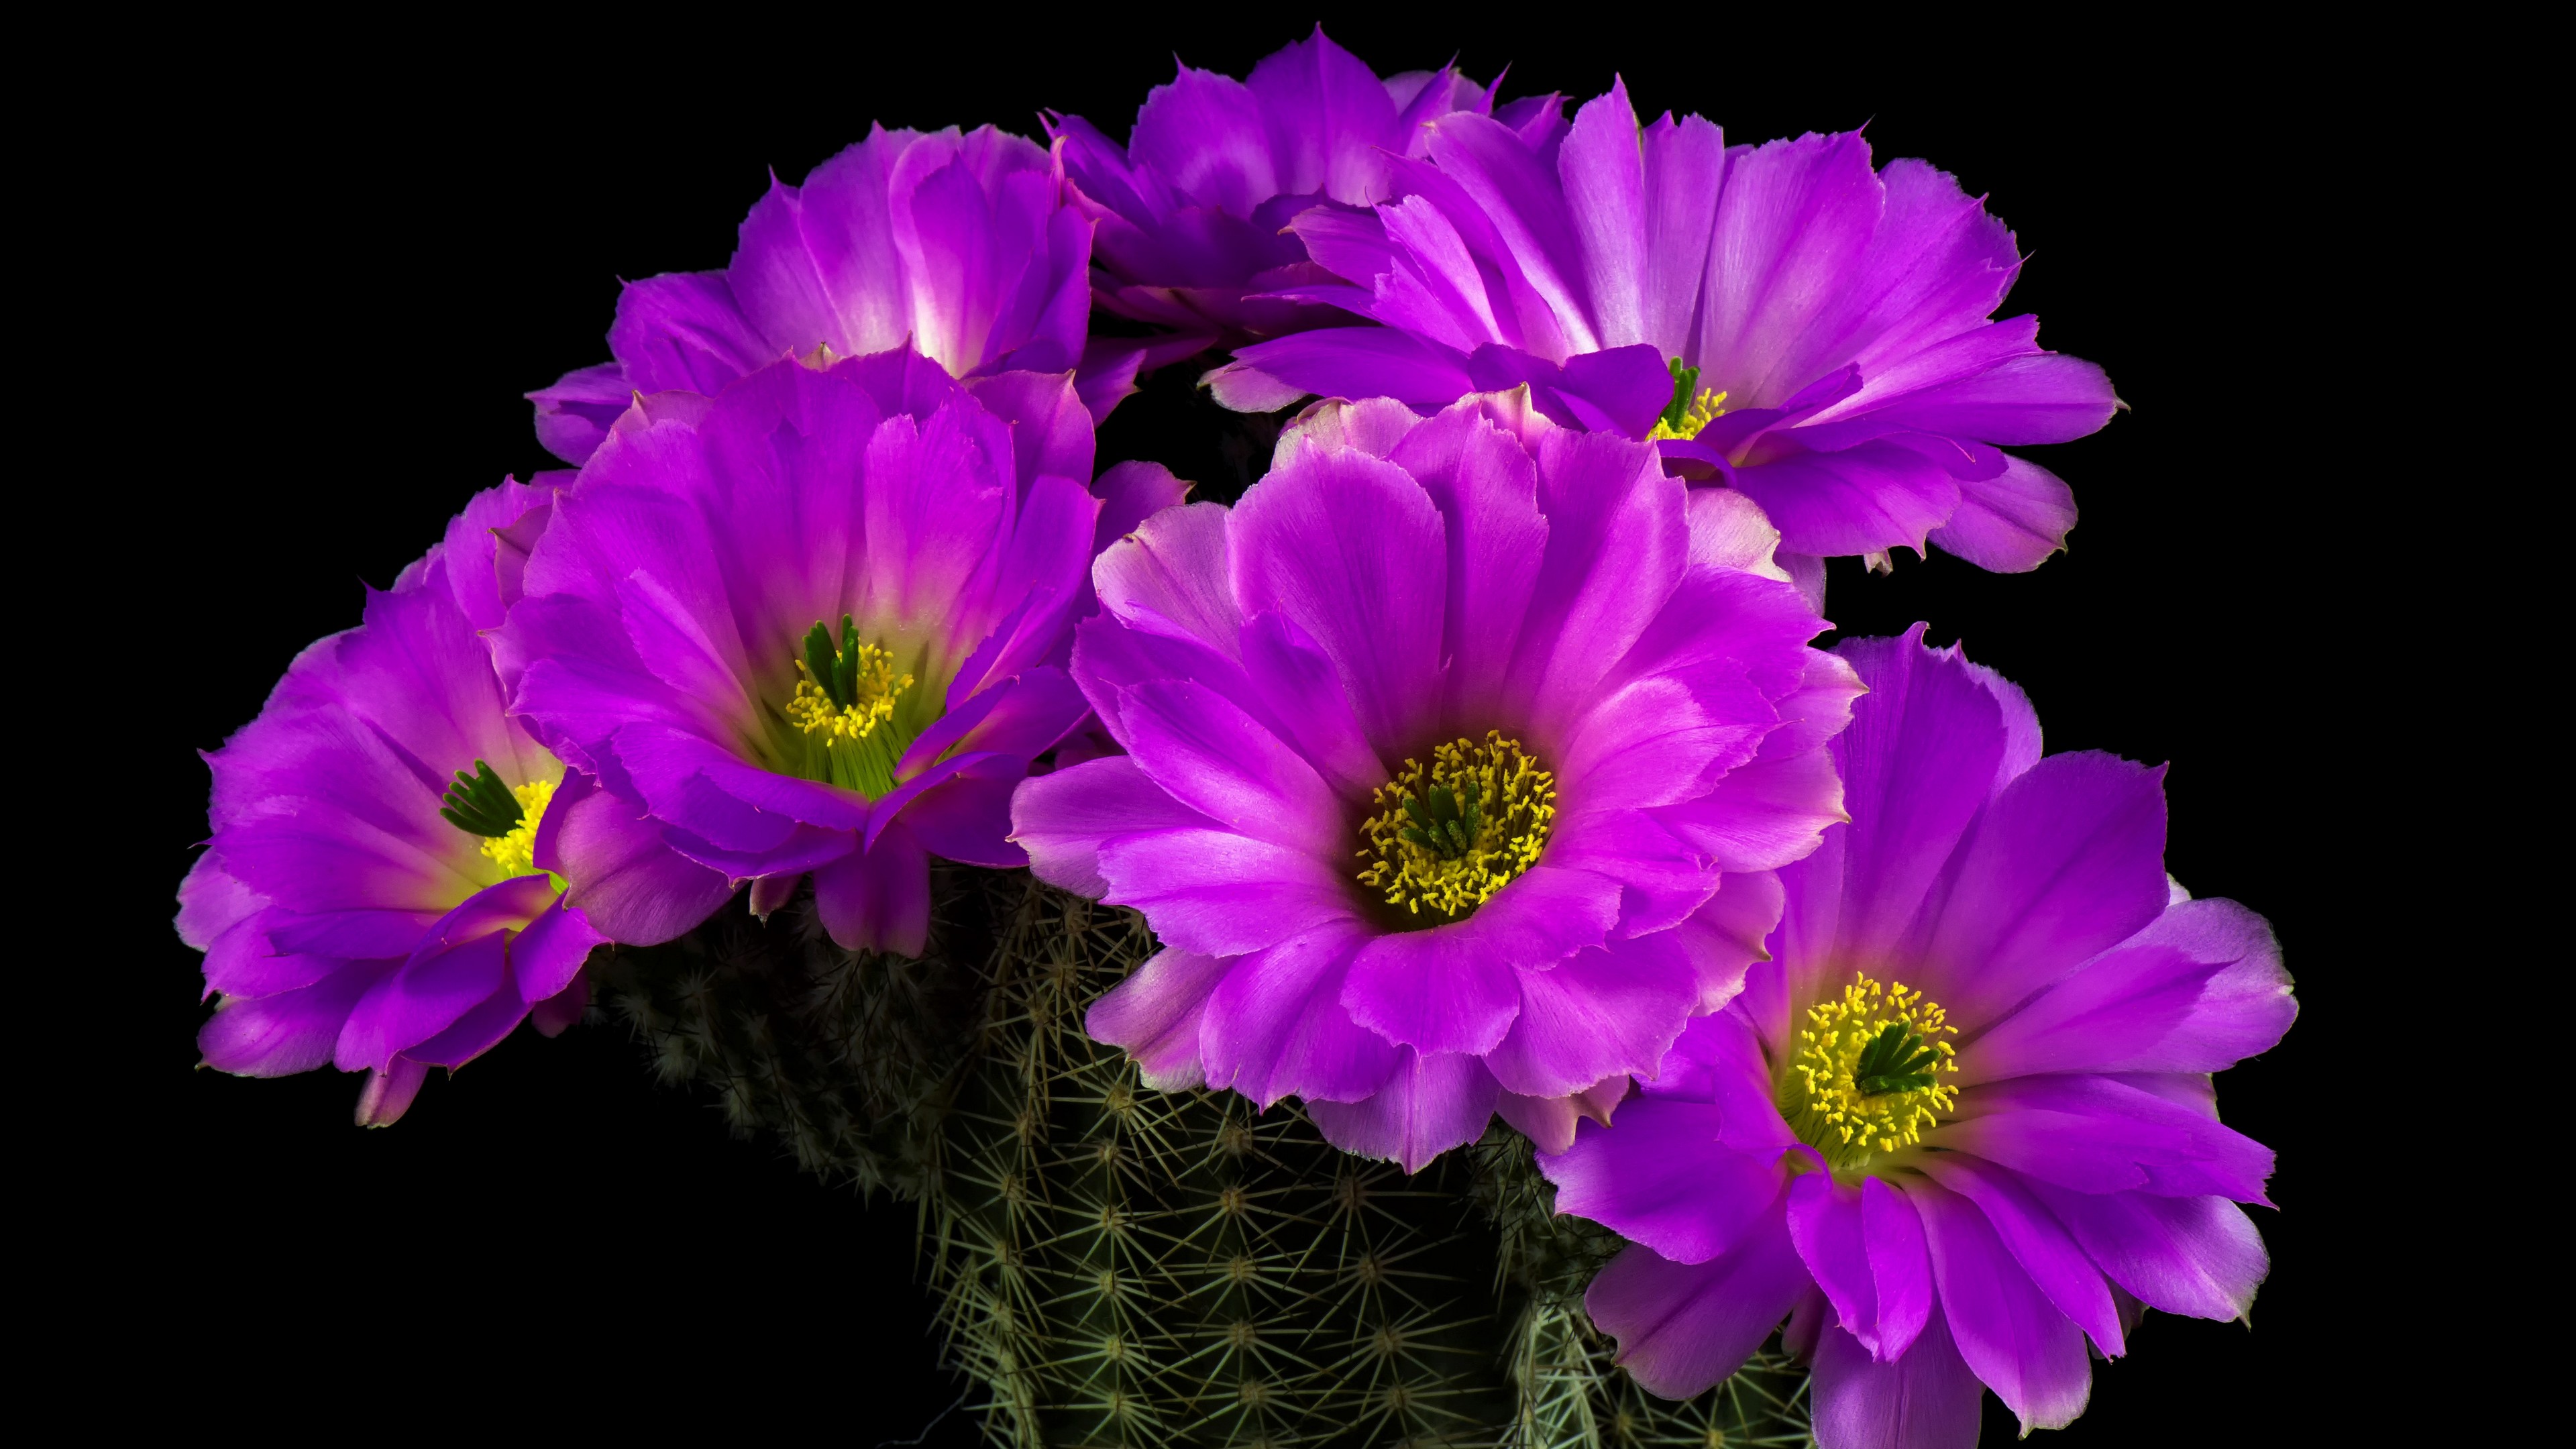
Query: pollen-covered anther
[1446, 838]
[1866, 1078]
[506, 816]
[844, 692]
[1693, 407]
[516, 852]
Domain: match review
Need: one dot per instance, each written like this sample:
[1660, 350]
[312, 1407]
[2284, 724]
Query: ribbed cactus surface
[1116, 1266]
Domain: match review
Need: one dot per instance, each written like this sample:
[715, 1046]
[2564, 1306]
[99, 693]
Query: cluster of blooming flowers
[1478, 761]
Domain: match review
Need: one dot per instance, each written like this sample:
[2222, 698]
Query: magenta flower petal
[1359, 362]
[1976, 1059]
[479, 1030]
[290, 1031]
[1679, 1190]
[1723, 938]
[2011, 1336]
[1684, 1326]
[1662, 879]
[547, 955]
[1485, 486]
[388, 1094]
[1926, 1399]
[1349, 550]
[372, 896]
[1454, 987]
[1866, 498]
[2012, 522]
[1499, 596]
[2194, 1255]
[1807, 209]
[1866, 1248]
[422, 998]
[1606, 1012]
[1430, 1104]
[1900, 1266]
[877, 899]
[574, 415]
[1276, 1026]
[967, 817]
[1909, 801]
[633, 887]
[1441, 990]
[1190, 210]
[2059, 1268]
[565, 1009]
[1762, 816]
[1175, 580]
[961, 246]
[2102, 1134]
[1219, 892]
[1215, 759]
[1550, 1122]
[1050, 429]
[1836, 317]
[2067, 861]
[1296, 682]
[1062, 819]
[1130, 493]
[2198, 990]
[672, 608]
[1154, 1014]
[1618, 538]
[1654, 741]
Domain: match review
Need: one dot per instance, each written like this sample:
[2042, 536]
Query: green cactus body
[1117, 1266]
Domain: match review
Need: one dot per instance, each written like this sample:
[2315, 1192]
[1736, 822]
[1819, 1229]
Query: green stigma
[1896, 1060]
[1685, 383]
[835, 669]
[1446, 821]
[505, 816]
[844, 711]
[1691, 408]
[1446, 838]
[479, 804]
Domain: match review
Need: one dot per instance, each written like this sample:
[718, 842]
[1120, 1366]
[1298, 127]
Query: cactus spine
[1116, 1266]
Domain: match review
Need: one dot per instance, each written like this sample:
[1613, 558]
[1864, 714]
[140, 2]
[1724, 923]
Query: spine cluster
[1121, 1267]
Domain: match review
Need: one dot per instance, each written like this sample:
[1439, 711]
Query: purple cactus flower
[1962, 1119]
[1780, 318]
[1192, 209]
[398, 875]
[817, 623]
[1457, 756]
[961, 247]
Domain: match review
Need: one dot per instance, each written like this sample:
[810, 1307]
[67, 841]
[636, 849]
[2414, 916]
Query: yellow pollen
[1446, 839]
[516, 852]
[1855, 1091]
[1704, 409]
[813, 710]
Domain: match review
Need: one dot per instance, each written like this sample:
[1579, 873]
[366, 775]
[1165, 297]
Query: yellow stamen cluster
[813, 711]
[1446, 839]
[1825, 1101]
[516, 852]
[1704, 409]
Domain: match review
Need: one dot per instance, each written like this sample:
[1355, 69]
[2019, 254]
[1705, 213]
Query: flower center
[844, 708]
[506, 816]
[1445, 839]
[1693, 407]
[1865, 1077]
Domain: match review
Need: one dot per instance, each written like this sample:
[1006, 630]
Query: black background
[382, 248]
